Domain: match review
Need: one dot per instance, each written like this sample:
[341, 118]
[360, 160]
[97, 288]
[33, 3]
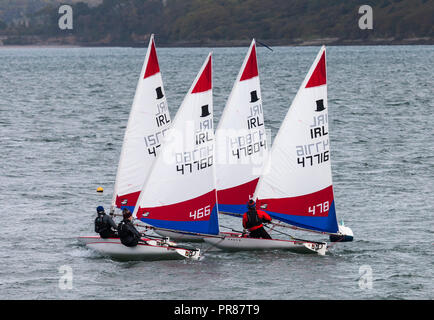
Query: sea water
[63, 117]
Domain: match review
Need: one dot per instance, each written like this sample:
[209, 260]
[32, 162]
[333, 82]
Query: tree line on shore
[130, 22]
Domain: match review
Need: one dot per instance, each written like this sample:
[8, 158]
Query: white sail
[148, 121]
[297, 186]
[241, 142]
[179, 193]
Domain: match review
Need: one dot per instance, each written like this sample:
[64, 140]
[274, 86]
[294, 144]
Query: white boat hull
[236, 242]
[179, 236]
[151, 250]
[184, 237]
[345, 234]
[88, 239]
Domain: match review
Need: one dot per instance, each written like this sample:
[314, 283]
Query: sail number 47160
[200, 213]
[319, 208]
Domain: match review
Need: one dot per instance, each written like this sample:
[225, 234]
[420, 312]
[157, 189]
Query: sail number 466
[319, 208]
[200, 213]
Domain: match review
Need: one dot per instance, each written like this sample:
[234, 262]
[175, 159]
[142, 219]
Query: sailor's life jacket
[103, 225]
[253, 219]
[128, 234]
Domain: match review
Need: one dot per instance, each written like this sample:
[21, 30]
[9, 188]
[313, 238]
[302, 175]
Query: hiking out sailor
[104, 224]
[128, 234]
[253, 219]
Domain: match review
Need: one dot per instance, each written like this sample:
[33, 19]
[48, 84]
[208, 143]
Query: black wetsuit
[259, 233]
[252, 220]
[104, 225]
[128, 233]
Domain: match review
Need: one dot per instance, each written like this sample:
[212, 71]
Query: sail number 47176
[319, 208]
[200, 213]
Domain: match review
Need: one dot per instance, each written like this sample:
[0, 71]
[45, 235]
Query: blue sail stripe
[232, 208]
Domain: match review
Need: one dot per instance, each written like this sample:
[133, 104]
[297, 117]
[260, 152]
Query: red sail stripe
[152, 67]
[251, 68]
[131, 199]
[204, 83]
[305, 205]
[182, 211]
[239, 194]
[318, 76]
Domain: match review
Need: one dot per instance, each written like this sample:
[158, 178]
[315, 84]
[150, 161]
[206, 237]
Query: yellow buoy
[99, 189]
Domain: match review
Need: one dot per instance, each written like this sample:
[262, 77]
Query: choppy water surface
[63, 115]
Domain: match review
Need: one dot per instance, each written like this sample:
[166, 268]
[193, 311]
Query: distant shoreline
[60, 43]
[30, 46]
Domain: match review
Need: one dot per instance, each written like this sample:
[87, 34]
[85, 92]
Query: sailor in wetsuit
[253, 219]
[128, 234]
[104, 224]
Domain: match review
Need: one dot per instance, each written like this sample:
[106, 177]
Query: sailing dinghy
[179, 194]
[296, 188]
[237, 175]
[148, 249]
[148, 122]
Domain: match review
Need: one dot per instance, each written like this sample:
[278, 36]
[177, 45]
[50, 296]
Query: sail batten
[297, 186]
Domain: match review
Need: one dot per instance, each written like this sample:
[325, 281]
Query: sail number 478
[319, 208]
[200, 213]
